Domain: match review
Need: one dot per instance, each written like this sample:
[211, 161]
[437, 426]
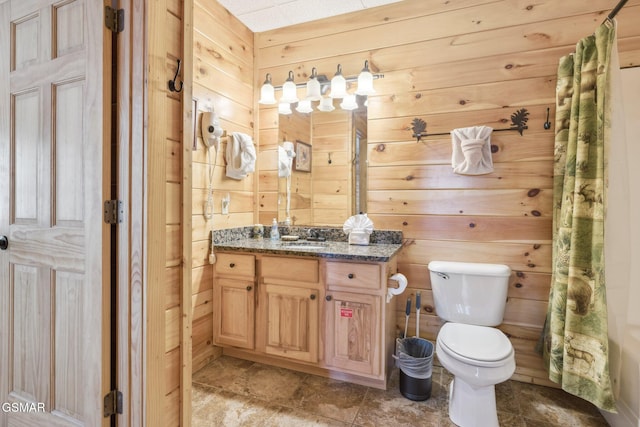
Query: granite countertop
[377, 252]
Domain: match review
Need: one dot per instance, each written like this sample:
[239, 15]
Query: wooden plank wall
[267, 169]
[222, 81]
[456, 64]
[171, 20]
[164, 221]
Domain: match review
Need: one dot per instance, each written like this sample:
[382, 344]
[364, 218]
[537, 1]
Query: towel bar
[518, 122]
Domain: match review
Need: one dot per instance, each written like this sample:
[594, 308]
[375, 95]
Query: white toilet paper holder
[392, 290]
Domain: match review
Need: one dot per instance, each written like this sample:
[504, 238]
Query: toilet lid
[475, 342]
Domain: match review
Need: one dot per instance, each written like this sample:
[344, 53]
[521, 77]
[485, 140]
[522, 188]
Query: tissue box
[358, 238]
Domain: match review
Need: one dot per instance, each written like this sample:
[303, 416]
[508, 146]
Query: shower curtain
[575, 337]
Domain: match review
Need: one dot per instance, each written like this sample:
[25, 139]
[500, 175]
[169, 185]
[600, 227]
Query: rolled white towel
[471, 150]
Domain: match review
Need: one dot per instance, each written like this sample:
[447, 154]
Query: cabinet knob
[350, 276]
[328, 297]
[233, 264]
[312, 297]
[249, 287]
[4, 243]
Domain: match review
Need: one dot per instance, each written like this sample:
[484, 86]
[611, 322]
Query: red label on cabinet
[346, 312]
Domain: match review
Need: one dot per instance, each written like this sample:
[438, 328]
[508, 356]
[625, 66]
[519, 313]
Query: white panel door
[54, 300]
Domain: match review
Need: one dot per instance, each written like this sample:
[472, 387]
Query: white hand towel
[471, 150]
[240, 156]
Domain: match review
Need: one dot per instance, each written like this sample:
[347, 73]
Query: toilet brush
[406, 320]
[418, 314]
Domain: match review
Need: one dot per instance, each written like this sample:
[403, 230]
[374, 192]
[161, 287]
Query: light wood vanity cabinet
[234, 301]
[322, 316]
[353, 332]
[289, 312]
[355, 316]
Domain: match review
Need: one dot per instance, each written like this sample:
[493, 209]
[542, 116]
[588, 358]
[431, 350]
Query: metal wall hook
[172, 83]
[547, 124]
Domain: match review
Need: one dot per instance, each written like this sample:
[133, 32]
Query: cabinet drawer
[235, 264]
[353, 275]
[299, 270]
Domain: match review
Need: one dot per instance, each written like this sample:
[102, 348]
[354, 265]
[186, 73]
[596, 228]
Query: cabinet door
[234, 312]
[292, 322]
[353, 335]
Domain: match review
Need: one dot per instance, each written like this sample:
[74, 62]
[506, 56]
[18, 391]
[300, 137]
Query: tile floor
[231, 392]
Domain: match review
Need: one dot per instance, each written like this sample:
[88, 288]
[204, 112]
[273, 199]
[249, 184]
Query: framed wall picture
[303, 157]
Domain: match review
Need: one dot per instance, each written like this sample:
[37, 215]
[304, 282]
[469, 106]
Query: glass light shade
[284, 108]
[326, 104]
[289, 94]
[313, 90]
[338, 84]
[304, 106]
[267, 92]
[365, 84]
[313, 87]
[289, 90]
[365, 81]
[349, 102]
[338, 87]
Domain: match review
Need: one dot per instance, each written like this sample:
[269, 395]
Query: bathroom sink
[303, 245]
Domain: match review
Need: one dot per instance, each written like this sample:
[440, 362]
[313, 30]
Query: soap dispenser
[275, 234]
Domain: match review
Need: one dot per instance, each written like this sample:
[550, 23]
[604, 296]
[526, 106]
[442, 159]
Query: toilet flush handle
[442, 275]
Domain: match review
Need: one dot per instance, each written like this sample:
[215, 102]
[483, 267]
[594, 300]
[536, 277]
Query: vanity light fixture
[316, 86]
[289, 90]
[349, 102]
[326, 104]
[338, 84]
[304, 106]
[365, 81]
[267, 92]
[313, 86]
[284, 108]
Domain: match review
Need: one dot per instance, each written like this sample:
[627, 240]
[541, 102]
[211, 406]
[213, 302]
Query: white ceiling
[264, 15]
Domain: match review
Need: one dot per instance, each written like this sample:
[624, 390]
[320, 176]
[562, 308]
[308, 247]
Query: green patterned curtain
[575, 340]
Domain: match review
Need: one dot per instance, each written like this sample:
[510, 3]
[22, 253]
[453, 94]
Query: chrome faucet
[314, 235]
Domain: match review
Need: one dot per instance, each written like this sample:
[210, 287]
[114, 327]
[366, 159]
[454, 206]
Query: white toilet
[471, 298]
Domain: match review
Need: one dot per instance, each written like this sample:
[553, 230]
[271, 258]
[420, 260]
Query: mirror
[328, 174]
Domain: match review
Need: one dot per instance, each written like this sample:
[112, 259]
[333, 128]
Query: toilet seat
[475, 345]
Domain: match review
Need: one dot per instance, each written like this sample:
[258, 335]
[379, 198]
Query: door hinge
[113, 211]
[112, 403]
[114, 19]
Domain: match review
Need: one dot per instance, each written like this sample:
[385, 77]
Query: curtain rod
[616, 9]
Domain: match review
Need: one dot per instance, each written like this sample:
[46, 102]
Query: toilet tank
[471, 293]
